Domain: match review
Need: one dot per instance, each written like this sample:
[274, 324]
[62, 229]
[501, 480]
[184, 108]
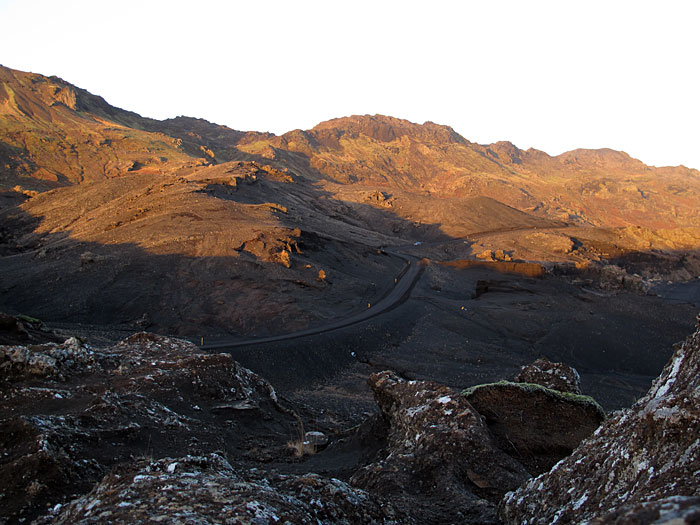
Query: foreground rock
[675, 510]
[638, 466]
[54, 361]
[440, 459]
[70, 413]
[538, 426]
[207, 489]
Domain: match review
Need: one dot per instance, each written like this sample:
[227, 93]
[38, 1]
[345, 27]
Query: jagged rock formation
[69, 413]
[46, 361]
[440, 459]
[556, 376]
[207, 489]
[637, 465]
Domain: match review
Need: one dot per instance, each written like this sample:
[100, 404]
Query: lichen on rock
[47, 360]
[69, 413]
[538, 426]
[641, 456]
[207, 489]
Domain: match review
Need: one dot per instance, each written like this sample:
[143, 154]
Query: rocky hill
[586, 187]
[225, 217]
[640, 466]
[55, 132]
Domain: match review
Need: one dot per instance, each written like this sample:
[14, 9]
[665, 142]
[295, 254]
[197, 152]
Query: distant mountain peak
[387, 129]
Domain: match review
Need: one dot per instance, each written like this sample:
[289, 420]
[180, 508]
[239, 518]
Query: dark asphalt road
[401, 291]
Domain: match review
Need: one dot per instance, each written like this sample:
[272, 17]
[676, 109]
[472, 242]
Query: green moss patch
[533, 387]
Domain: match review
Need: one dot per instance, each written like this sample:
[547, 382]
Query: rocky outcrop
[152, 429]
[207, 489]
[538, 426]
[48, 360]
[70, 413]
[557, 376]
[440, 458]
[638, 465]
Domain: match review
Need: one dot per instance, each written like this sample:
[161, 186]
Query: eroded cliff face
[642, 464]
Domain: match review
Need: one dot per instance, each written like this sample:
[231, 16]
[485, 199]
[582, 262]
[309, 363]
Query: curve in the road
[398, 294]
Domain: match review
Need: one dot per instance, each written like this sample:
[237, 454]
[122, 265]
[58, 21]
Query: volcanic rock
[557, 376]
[641, 459]
[613, 277]
[676, 510]
[192, 202]
[440, 458]
[207, 489]
[316, 438]
[47, 360]
[535, 425]
[70, 413]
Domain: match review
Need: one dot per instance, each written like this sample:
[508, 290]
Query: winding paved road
[401, 291]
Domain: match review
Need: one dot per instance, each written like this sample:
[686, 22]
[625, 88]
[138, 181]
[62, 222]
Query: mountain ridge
[247, 214]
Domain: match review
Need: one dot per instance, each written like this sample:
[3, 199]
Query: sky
[553, 75]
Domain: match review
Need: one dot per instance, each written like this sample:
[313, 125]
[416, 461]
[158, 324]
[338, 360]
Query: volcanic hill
[111, 222]
[213, 220]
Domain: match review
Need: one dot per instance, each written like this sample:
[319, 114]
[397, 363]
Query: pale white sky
[554, 75]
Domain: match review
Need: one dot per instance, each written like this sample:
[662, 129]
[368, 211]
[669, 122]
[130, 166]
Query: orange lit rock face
[57, 133]
[588, 187]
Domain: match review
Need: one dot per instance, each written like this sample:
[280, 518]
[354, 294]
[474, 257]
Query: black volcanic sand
[618, 341]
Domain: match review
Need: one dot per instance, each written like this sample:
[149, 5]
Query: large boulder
[440, 459]
[207, 489]
[557, 376]
[640, 459]
[536, 425]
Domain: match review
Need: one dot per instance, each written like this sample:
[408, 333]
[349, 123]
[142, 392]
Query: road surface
[401, 291]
